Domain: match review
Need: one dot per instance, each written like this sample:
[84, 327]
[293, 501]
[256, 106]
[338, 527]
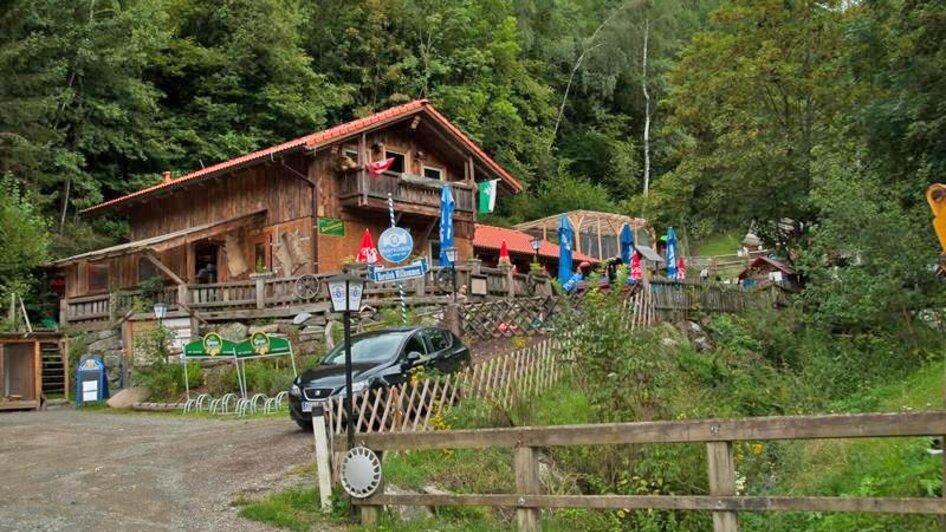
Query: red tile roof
[492, 237]
[322, 138]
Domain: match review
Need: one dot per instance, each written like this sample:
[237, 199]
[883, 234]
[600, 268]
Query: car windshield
[367, 348]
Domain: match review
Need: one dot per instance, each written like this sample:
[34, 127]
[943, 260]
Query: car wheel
[304, 424]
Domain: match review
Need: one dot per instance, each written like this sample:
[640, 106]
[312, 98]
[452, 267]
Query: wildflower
[757, 448]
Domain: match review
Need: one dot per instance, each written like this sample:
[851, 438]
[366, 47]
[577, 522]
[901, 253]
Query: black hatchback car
[379, 359]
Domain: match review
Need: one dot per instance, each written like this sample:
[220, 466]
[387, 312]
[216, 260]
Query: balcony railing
[360, 189]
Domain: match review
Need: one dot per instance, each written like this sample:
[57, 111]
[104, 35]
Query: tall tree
[236, 78]
[752, 99]
[464, 55]
[78, 115]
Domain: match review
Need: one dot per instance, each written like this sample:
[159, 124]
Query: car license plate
[307, 406]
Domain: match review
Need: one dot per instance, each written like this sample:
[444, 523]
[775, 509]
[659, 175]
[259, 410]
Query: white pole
[400, 284]
[322, 459]
[187, 386]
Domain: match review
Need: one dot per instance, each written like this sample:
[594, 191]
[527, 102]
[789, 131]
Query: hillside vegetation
[762, 362]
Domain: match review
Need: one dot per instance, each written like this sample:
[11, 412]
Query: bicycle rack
[242, 405]
[255, 400]
[269, 405]
[280, 397]
[203, 398]
[225, 403]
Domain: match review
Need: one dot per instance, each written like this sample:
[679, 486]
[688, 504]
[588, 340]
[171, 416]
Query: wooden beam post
[63, 312]
[163, 268]
[322, 460]
[527, 483]
[260, 292]
[722, 481]
[183, 296]
[37, 374]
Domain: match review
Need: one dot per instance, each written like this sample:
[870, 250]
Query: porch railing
[272, 294]
[407, 188]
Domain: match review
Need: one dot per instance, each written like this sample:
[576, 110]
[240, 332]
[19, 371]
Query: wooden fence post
[322, 459]
[722, 481]
[527, 483]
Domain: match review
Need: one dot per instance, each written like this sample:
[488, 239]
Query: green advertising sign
[210, 345]
[331, 227]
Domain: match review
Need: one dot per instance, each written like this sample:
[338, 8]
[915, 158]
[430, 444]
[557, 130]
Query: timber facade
[294, 209]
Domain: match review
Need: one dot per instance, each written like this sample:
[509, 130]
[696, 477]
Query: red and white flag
[375, 168]
[636, 272]
[681, 269]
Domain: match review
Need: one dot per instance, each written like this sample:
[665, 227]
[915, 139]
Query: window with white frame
[432, 172]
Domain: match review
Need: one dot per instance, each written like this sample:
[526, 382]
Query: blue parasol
[627, 243]
[671, 253]
[446, 223]
[565, 236]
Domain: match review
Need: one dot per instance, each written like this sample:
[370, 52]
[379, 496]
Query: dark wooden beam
[150, 257]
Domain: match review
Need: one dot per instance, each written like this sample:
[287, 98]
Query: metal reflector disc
[361, 472]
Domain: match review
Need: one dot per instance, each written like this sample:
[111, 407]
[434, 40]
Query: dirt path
[98, 471]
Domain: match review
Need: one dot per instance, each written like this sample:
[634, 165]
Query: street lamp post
[160, 312]
[536, 243]
[451, 253]
[346, 294]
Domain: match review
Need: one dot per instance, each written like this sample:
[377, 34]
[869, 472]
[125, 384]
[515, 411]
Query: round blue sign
[395, 245]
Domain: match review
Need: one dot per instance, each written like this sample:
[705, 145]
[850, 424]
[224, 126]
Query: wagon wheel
[531, 284]
[444, 279]
[307, 286]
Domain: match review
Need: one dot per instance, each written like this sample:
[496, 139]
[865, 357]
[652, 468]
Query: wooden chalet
[241, 232]
[763, 271]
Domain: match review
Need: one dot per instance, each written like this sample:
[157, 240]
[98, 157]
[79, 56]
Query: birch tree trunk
[646, 108]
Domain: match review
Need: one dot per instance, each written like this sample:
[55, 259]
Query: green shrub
[264, 376]
[165, 379]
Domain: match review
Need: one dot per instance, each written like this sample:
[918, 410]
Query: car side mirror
[412, 358]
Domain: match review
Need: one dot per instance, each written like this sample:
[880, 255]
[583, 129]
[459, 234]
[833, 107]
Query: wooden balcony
[411, 193]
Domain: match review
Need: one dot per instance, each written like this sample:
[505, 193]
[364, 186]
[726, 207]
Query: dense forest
[708, 114]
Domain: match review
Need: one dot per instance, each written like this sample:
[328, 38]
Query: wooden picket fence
[418, 404]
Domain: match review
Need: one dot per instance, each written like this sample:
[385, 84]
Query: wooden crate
[21, 372]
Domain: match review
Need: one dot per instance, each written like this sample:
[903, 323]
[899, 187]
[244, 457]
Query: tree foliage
[22, 237]
[760, 109]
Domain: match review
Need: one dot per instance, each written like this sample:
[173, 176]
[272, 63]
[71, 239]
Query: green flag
[487, 196]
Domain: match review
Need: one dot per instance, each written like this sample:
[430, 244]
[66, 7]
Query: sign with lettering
[395, 245]
[91, 380]
[389, 275]
[331, 227]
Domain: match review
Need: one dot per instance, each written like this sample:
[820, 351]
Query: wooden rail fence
[411, 406]
[717, 434]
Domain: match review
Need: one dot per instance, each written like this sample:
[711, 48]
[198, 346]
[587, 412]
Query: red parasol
[636, 272]
[504, 253]
[367, 253]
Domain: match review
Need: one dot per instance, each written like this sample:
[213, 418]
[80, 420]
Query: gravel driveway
[74, 470]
